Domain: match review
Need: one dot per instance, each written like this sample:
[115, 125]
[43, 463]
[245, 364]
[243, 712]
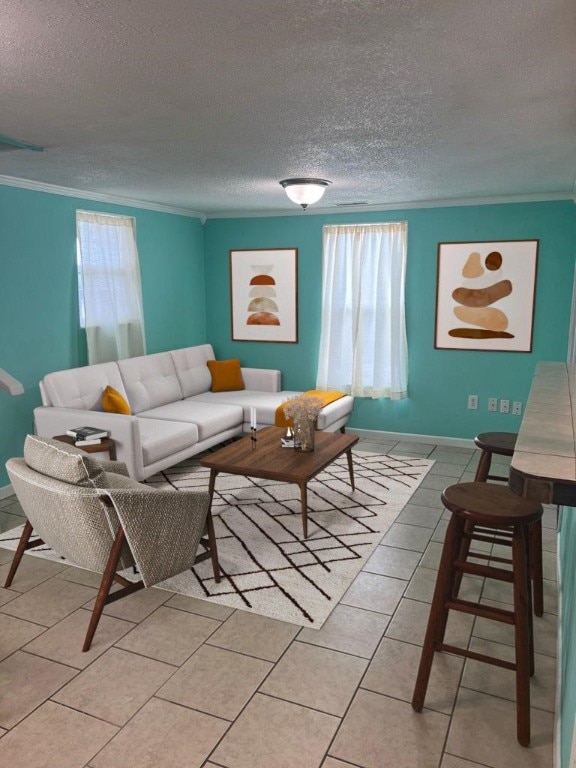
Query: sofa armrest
[262, 379]
[124, 430]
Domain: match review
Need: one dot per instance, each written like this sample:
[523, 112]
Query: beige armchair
[94, 515]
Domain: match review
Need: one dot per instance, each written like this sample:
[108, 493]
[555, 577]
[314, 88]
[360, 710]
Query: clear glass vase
[304, 429]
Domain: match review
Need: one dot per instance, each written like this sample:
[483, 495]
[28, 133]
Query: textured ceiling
[205, 105]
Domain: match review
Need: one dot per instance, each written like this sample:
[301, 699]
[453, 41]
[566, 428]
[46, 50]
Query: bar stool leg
[521, 634]
[528, 555]
[438, 612]
[536, 566]
[483, 467]
[463, 556]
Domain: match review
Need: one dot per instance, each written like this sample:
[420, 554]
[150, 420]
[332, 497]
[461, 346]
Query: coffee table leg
[351, 468]
[304, 497]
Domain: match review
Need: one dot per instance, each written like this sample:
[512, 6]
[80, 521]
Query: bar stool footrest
[497, 477]
[476, 569]
[492, 558]
[484, 611]
[476, 656]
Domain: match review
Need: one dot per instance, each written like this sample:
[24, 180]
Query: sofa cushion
[161, 439]
[267, 402]
[210, 419]
[191, 368]
[226, 375]
[264, 402]
[61, 461]
[113, 402]
[82, 387]
[150, 381]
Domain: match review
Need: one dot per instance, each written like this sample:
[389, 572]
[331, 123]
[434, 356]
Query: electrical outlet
[517, 408]
[473, 402]
[504, 406]
[492, 403]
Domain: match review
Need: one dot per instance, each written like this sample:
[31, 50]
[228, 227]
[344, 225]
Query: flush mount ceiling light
[304, 192]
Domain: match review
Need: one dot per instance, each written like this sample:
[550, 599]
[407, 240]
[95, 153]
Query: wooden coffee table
[268, 460]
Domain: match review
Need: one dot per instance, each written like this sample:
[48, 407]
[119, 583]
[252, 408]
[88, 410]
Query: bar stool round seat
[493, 506]
[490, 443]
[475, 507]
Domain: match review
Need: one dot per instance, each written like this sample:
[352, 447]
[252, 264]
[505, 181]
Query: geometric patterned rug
[267, 567]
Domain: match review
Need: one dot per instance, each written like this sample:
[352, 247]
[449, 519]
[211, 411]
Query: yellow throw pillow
[226, 375]
[114, 402]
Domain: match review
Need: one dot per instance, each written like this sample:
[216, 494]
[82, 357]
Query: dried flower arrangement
[302, 407]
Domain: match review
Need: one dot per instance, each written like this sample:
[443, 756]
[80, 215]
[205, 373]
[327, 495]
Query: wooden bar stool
[503, 444]
[497, 508]
[490, 443]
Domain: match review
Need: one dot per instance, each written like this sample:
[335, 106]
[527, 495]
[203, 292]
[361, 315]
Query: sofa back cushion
[82, 387]
[61, 461]
[191, 368]
[150, 381]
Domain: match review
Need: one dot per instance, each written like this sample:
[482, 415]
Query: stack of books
[87, 435]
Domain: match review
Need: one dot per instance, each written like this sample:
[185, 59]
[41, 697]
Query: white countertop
[545, 452]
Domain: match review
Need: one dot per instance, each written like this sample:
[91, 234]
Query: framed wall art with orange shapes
[485, 295]
[264, 294]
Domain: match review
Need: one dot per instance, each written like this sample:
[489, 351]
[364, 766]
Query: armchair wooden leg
[105, 584]
[23, 545]
[103, 597]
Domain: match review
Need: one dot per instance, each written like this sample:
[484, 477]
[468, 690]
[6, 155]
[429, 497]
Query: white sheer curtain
[109, 286]
[363, 349]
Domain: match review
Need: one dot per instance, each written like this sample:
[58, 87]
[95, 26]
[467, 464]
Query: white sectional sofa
[175, 414]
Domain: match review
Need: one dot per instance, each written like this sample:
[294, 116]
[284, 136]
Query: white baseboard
[5, 491]
[377, 436]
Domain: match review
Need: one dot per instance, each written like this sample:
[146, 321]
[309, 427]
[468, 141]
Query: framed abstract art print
[485, 295]
[264, 294]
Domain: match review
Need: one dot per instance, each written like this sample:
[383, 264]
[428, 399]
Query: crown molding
[412, 205]
[54, 189]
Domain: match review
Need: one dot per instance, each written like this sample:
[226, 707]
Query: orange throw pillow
[114, 402]
[226, 375]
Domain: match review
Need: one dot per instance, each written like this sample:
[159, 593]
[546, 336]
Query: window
[363, 348]
[110, 295]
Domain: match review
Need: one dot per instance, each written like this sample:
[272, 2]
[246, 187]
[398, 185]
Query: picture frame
[485, 295]
[264, 294]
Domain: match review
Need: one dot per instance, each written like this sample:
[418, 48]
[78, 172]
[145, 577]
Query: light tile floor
[174, 682]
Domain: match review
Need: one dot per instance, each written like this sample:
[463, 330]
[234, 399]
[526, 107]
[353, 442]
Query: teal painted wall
[39, 329]
[439, 380]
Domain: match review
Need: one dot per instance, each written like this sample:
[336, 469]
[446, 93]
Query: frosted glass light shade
[304, 192]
